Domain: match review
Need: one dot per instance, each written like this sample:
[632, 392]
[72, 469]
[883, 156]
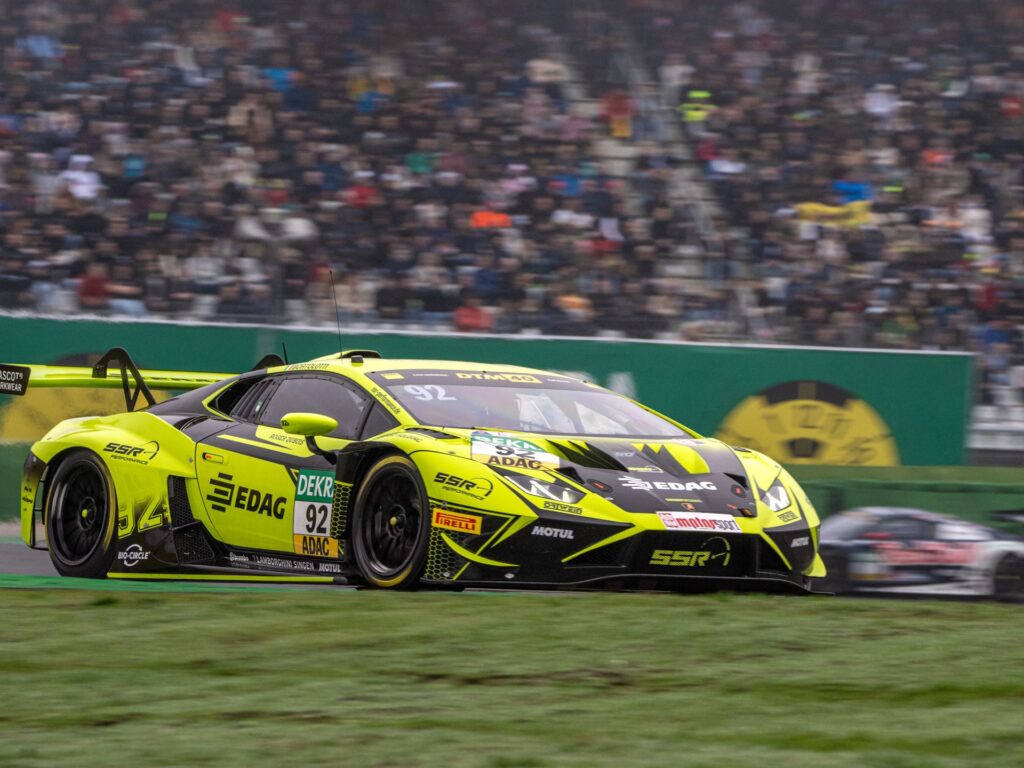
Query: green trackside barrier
[799, 405]
[973, 493]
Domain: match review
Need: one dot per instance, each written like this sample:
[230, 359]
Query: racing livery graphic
[914, 552]
[401, 474]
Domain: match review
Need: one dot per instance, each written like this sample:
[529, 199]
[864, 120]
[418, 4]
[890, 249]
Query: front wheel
[81, 517]
[1008, 579]
[391, 525]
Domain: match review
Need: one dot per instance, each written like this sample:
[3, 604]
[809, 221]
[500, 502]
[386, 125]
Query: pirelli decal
[456, 521]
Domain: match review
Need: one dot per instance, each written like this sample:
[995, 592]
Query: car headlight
[545, 489]
[776, 497]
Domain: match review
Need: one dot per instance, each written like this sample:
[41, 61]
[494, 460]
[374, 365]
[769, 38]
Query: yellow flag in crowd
[850, 215]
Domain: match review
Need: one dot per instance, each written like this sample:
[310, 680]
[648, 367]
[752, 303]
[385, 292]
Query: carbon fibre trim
[177, 497]
[339, 512]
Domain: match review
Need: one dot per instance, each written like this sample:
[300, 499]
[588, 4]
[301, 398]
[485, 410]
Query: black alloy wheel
[391, 525]
[81, 516]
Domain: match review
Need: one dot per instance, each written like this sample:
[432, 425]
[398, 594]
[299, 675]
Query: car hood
[638, 475]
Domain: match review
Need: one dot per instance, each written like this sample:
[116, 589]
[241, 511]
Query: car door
[263, 488]
[902, 545]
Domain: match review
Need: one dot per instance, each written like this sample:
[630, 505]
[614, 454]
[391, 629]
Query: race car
[915, 552]
[399, 474]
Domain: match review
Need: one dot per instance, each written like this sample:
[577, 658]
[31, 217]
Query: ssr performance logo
[141, 454]
[714, 551]
[478, 487]
[226, 493]
[132, 555]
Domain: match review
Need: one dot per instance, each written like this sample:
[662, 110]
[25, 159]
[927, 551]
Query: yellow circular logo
[810, 422]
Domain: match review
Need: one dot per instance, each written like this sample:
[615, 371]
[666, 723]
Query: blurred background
[638, 175]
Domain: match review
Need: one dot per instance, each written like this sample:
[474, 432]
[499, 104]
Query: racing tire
[1008, 579]
[81, 517]
[391, 525]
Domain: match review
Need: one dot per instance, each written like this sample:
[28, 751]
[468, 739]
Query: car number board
[311, 515]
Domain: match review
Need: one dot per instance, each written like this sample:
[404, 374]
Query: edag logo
[224, 493]
[140, 454]
[636, 484]
[132, 556]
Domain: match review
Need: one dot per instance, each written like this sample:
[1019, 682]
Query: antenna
[337, 316]
[284, 349]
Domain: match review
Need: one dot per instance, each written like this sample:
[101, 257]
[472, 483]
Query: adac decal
[502, 450]
[477, 487]
[226, 493]
[315, 546]
[137, 454]
[714, 551]
[454, 521]
[132, 555]
[811, 422]
[312, 512]
[636, 484]
[699, 521]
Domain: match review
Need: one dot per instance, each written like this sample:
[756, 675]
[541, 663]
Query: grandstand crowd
[182, 158]
[210, 159]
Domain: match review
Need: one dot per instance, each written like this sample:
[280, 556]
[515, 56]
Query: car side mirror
[310, 426]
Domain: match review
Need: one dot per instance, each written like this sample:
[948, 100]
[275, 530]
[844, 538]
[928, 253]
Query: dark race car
[915, 552]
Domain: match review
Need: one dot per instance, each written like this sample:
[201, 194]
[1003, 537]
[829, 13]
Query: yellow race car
[402, 474]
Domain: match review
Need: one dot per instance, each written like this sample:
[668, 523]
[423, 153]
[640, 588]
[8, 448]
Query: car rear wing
[17, 379]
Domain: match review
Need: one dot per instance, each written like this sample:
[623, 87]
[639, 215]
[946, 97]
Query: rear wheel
[391, 525]
[1008, 579]
[81, 516]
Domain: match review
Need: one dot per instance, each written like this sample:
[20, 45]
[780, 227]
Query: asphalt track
[16, 558]
[21, 567]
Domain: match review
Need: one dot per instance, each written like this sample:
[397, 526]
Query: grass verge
[317, 678]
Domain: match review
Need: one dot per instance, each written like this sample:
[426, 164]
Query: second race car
[897, 550]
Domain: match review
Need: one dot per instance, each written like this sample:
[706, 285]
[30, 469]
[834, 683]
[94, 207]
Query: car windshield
[523, 403]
